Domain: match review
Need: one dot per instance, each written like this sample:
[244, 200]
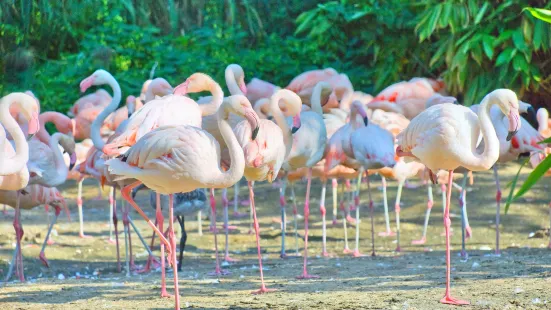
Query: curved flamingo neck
[293, 104]
[232, 71]
[477, 162]
[95, 133]
[237, 166]
[543, 118]
[62, 171]
[315, 101]
[17, 162]
[217, 97]
[51, 117]
[346, 100]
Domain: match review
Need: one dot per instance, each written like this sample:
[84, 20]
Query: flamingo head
[67, 142]
[131, 105]
[241, 106]
[30, 110]
[195, 83]
[508, 103]
[99, 77]
[359, 108]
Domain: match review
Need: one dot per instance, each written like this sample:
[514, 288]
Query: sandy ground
[413, 279]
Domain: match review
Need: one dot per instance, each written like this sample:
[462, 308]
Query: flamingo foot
[250, 232]
[50, 241]
[228, 259]
[245, 202]
[468, 232]
[98, 197]
[263, 290]
[111, 241]
[453, 301]
[420, 241]
[549, 246]
[230, 227]
[352, 208]
[357, 253]
[165, 294]
[347, 251]
[43, 259]
[335, 222]
[239, 214]
[83, 236]
[398, 249]
[389, 233]
[306, 276]
[351, 220]
[324, 254]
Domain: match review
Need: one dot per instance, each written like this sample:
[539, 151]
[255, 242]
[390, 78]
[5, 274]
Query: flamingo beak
[182, 89]
[86, 83]
[296, 123]
[514, 123]
[34, 126]
[72, 160]
[366, 121]
[252, 118]
[243, 88]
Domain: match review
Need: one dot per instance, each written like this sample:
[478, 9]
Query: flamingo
[100, 98]
[308, 147]
[160, 111]
[258, 89]
[265, 155]
[179, 159]
[445, 137]
[14, 174]
[32, 196]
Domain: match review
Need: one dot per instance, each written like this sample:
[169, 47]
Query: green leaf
[439, 52]
[504, 36]
[534, 176]
[538, 34]
[541, 14]
[487, 44]
[545, 141]
[518, 40]
[481, 12]
[476, 54]
[520, 64]
[510, 197]
[506, 56]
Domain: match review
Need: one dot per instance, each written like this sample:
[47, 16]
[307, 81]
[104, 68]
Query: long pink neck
[60, 167]
[17, 162]
[51, 117]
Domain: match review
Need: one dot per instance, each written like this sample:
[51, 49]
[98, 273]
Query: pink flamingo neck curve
[62, 123]
[29, 108]
[198, 82]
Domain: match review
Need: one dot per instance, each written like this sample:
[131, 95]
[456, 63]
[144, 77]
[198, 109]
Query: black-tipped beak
[255, 132]
[129, 114]
[71, 166]
[455, 101]
[366, 122]
[531, 117]
[30, 137]
[511, 134]
[294, 129]
[270, 118]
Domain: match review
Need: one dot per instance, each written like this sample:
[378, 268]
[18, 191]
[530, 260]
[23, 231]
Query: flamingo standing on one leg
[445, 137]
[175, 159]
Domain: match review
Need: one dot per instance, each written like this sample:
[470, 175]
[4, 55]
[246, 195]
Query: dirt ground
[83, 271]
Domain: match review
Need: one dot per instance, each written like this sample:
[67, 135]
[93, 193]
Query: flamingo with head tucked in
[445, 137]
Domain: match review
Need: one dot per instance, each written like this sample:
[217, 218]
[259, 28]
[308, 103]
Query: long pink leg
[388, 232]
[172, 237]
[160, 223]
[227, 227]
[42, 255]
[448, 299]
[498, 203]
[236, 213]
[334, 184]
[349, 204]
[397, 210]
[19, 235]
[79, 204]
[282, 188]
[371, 209]
[217, 271]
[115, 222]
[356, 252]
[263, 288]
[111, 202]
[427, 216]
[127, 245]
[305, 274]
[295, 215]
[343, 208]
[150, 258]
[323, 222]
[549, 246]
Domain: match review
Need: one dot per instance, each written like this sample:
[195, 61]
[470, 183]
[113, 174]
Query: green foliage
[541, 14]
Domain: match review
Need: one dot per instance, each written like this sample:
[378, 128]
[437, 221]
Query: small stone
[518, 290]
[78, 251]
[536, 301]
[60, 276]
[475, 265]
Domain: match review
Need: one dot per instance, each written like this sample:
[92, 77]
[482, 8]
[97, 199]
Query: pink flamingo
[32, 196]
[14, 174]
[265, 155]
[308, 147]
[445, 137]
[258, 89]
[100, 98]
[187, 160]
[161, 111]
